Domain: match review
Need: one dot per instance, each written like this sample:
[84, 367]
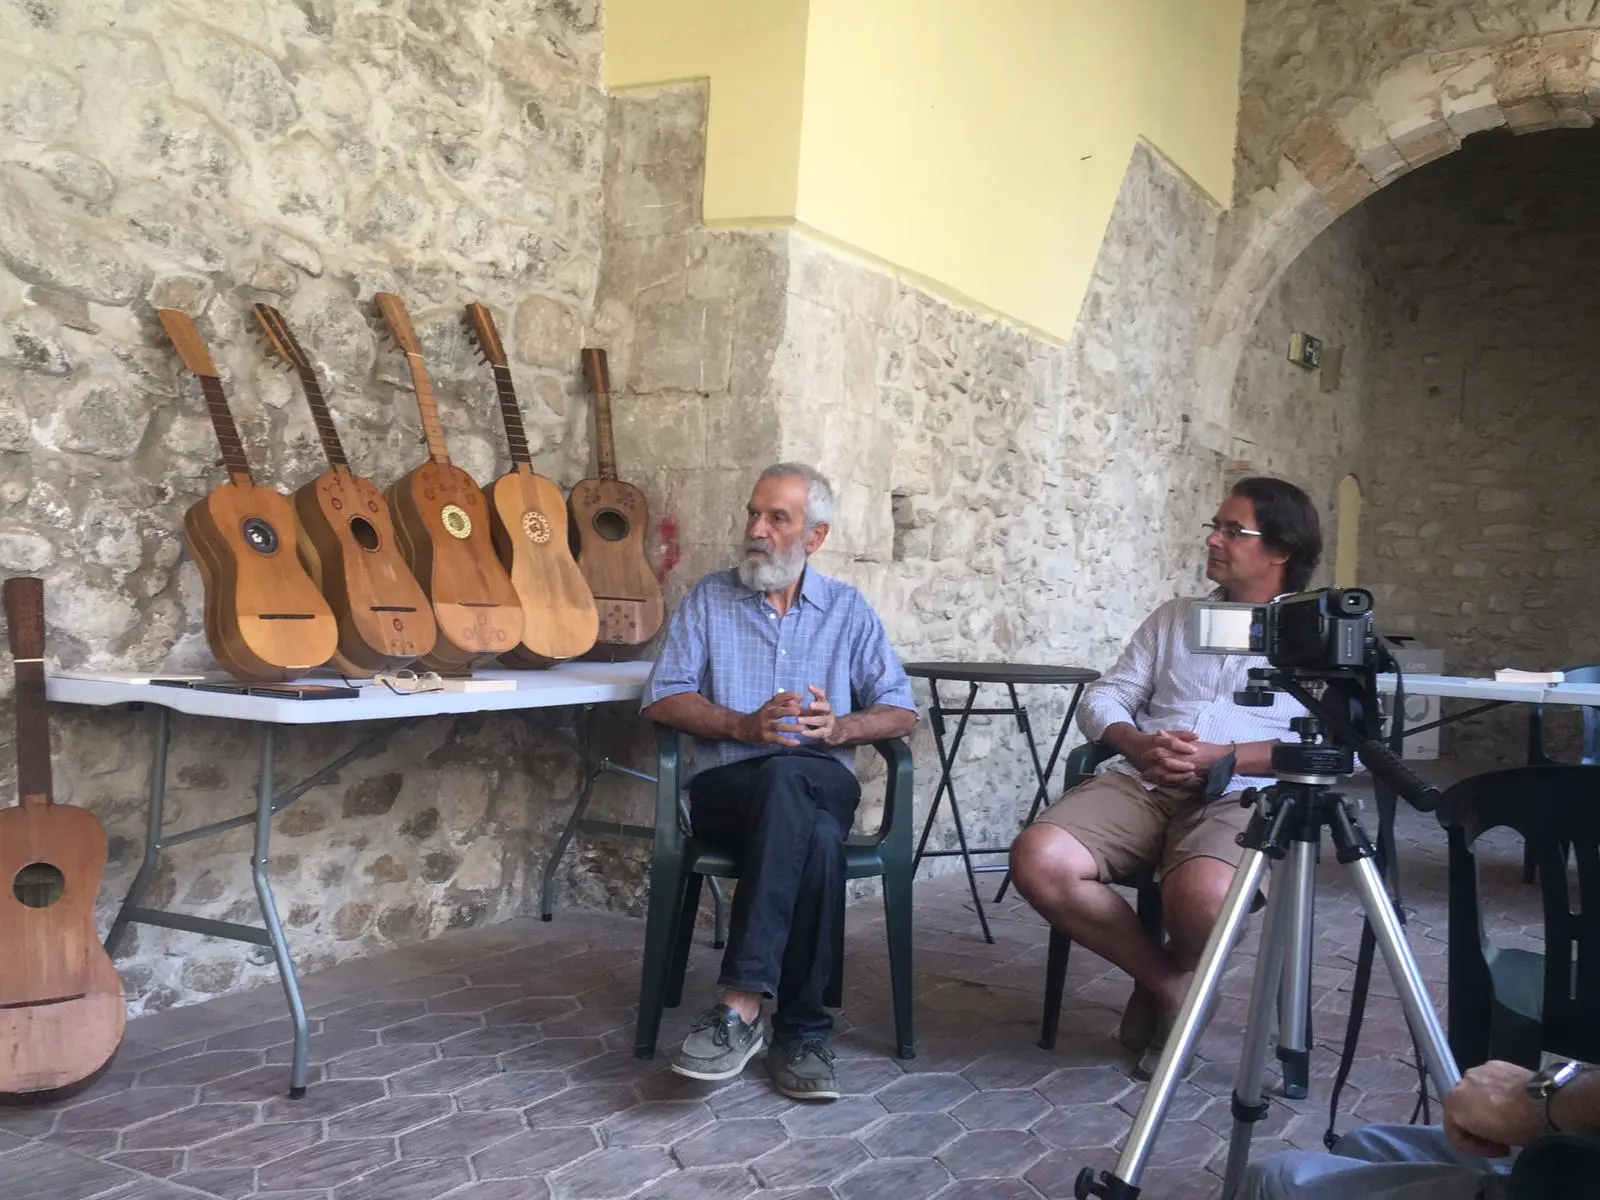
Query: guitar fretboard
[429, 408]
[594, 366]
[511, 412]
[323, 420]
[233, 456]
[24, 604]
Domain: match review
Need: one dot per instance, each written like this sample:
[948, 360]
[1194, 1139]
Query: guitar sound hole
[260, 536]
[611, 525]
[38, 885]
[365, 535]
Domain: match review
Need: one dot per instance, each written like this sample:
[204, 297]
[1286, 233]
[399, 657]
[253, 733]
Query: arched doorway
[1346, 572]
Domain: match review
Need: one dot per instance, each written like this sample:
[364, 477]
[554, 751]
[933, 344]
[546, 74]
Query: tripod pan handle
[1387, 766]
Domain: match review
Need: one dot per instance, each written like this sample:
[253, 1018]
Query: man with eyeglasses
[1185, 751]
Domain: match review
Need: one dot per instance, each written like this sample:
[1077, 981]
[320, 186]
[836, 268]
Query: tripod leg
[1274, 962]
[1295, 995]
[1186, 1030]
[1424, 1021]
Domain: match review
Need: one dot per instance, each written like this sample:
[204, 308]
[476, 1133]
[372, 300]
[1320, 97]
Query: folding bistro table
[975, 675]
[578, 684]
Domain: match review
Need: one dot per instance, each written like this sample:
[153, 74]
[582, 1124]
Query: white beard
[774, 573]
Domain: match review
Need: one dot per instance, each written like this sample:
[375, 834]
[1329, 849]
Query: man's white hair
[819, 492]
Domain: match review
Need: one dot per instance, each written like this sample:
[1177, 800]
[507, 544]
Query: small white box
[1420, 710]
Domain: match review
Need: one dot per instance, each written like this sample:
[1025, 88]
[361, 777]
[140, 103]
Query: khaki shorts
[1128, 827]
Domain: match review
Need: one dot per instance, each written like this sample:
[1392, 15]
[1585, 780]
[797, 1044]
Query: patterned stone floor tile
[388, 1117]
[611, 1174]
[891, 1179]
[322, 1100]
[254, 1147]
[710, 1183]
[842, 1116]
[579, 1106]
[992, 1154]
[808, 1161]
[461, 1135]
[443, 1076]
[1010, 1108]
[659, 1123]
[327, 1164]
[534, 1155]
[511, 1089]
[188, 1126]
[925, 1093]
[407, 1180]
[910, 1135]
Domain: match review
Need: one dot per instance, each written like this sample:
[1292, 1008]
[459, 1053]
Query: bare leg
[1191, 899]
[1058, 876]
[746, 1004]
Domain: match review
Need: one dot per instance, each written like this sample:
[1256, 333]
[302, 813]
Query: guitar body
[349, 546]
[559, 617]
[265, 619]
[62, 1011]
[608, 523]
[442, 519]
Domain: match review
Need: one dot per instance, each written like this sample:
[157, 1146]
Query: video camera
[1325, 630]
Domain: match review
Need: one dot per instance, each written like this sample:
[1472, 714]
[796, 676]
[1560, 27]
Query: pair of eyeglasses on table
[402, 683]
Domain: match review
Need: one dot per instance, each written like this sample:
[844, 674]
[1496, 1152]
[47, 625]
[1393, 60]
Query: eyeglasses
[406, 683]
[1231, 530]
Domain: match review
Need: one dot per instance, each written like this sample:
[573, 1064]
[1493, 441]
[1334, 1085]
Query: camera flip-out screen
[1218, 627]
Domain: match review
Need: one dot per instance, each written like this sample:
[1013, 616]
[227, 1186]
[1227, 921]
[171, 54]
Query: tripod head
[1343, 706]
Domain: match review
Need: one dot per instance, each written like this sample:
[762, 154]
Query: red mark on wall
[667, 535]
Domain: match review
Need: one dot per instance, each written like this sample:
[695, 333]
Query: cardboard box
[1416, 659]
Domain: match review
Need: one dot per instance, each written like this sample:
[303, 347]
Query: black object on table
[975, 675]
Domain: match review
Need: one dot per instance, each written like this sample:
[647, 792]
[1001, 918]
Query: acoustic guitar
[442, 519]
[265, 620]
[529, 520]
[609, 519]
[347, 540]
[61, 1005]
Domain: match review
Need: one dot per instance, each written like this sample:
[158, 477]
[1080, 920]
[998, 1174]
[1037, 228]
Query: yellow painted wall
[977, 145]
[753, 53]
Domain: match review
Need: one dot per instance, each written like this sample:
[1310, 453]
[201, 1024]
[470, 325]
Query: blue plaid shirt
[730, 645]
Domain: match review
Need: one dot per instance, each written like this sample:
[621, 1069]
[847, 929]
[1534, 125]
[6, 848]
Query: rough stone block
[1320, 153]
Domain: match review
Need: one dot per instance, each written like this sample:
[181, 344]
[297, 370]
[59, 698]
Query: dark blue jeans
[785, 817]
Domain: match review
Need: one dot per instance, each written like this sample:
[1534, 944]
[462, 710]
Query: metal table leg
[947, 786]
[269, 913]
[270, 800]
[1041, 771]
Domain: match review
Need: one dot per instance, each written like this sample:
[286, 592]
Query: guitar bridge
[286, 616]
[392, 608]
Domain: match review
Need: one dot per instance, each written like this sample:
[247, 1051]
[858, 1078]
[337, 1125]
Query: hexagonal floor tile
[1014, 1108]
[534, 1155]
[808, 1161]
[891, 1180]
[326, 1165]
[992, 1154]
[477, 999]
[1085, 1085]
[731, 1141]
[492, 1039]
[424, 1180]
[254, 1146]
[845, 1115]
[610, 1174]
[1080, 1125]
[387, 1117]
[659, 1123]
[188, 1126]
[910, 1135]
[442, 1076]
[925, 1093]
[121, 1109]
[463, 1134]
[579, 1106]
[710, 1183]
[434, 1027]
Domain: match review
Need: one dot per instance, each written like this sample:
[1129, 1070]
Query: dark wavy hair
[1289, 525]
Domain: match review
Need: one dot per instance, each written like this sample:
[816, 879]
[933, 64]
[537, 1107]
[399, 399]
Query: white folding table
[1493, 692]
[578, 684]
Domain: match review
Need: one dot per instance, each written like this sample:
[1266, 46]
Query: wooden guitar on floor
[265, 620]
[530, 522]
[348, 541]
[61, 1005]
[442, 518]
[609, 519]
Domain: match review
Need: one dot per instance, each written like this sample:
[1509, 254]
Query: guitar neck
[24, 603]
[233, 456]
[511, 412]
[594, 365]
[323, 420]
[429, 408]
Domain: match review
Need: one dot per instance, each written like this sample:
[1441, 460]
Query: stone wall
[1482, 515]
[204, 156]
[1000, 497]
[1306, 58]
[1285, 422]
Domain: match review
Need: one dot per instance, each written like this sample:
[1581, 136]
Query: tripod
[1286, 830]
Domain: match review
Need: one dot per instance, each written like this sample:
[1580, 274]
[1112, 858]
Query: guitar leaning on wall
[530, 519]
[265, 620]
[442, 518]
[609, 519]
[62, 1011]
[348, 541]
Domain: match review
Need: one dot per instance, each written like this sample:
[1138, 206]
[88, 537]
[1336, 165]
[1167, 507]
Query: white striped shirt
[1160, 684]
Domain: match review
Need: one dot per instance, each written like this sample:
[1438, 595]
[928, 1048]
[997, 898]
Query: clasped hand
[781, 721]
[1176, 756]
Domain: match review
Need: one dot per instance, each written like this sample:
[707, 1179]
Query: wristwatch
[1543, 1087]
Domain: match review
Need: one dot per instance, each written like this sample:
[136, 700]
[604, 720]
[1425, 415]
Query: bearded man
[778, 672]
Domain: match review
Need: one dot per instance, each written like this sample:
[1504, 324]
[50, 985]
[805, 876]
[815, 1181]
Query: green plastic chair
[679, 862]
[1505, 1002]
[1539, 753]
[1563, 1166]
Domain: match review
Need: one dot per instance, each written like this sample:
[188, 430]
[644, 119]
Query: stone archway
[1410, 116]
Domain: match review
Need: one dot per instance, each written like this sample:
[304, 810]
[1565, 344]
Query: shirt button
[771, 616]
[783, 652]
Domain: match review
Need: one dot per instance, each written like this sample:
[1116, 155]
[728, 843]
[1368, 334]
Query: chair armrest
[895, 829]
[669, 788]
